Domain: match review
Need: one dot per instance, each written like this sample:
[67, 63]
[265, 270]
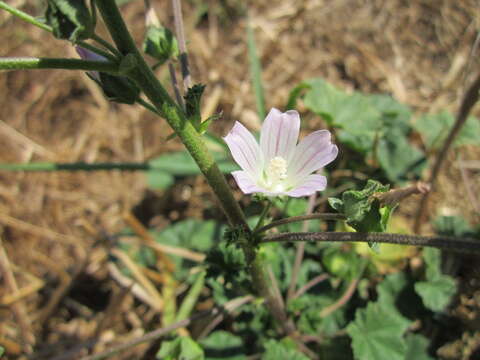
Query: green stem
[105, 44]
[78, 166]
[24, 16]
[264, 213]
[156, 93]
[148, 106]
[31, 63]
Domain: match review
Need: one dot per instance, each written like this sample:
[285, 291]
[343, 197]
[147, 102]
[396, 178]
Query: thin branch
[182, 46]
[321, 216]
[443, 242]
[32, 63]
[316, 280]
[176, 89]
[469, 99]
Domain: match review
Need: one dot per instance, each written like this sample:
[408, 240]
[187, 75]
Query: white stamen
[275, 173]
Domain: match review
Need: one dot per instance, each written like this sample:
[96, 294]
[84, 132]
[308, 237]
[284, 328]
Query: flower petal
[89, 55]
[245, 183]
[279, 134]
[312, 184]
[312, 153]
[244, 149]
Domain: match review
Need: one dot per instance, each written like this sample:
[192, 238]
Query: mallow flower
[278, 165]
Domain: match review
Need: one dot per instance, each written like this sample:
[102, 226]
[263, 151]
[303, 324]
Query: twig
[300, 250]
[182, 46]
[321, 216]
[469, 99]
[316, 280]
[18, 308]
[156, 334]
[176, 89]
[443, 242]
[219, 318]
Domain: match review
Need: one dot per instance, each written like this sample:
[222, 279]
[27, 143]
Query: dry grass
[55, 225]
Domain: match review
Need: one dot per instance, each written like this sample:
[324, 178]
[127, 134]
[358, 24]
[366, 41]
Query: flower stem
[264, 213]
[24, 16]
[441, 242]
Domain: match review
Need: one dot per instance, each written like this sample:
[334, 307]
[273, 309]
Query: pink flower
[280, 166]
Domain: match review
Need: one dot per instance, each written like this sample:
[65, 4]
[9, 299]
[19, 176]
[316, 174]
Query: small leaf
[69, 19]
[192, 105]
[222, 345]
[436, 292]
[275, 350]
[183, 348]
[160, 44]
[452, 226]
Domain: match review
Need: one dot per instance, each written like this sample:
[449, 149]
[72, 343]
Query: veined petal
[279, 134]
[311, 184]
[244, 149]
[312, 153]
[245, 183]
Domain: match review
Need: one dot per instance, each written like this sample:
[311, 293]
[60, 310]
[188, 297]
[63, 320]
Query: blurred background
[51, 223]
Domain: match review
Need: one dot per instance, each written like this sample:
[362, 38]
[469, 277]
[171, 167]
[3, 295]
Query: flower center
[276, 173]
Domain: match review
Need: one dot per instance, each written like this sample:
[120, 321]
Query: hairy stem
[442, 242]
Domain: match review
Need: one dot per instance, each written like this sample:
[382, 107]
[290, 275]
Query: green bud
[70, 19]
[160, 44]
[118, 88]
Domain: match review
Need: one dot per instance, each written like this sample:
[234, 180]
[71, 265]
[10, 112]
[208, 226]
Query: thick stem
[31, 63]
[442, 242]
[193, 141]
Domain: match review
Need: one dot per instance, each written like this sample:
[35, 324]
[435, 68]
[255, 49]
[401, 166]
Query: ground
[52, 223]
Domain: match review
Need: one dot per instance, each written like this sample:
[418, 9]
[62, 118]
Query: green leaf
[377, 333]
[191, 233]
[222, 345]
[160, 43]
[389, 289]
[159, 179]
[182, 348]
[361, 209]
[69, 19]
[275, 350]
[2, 350]
[398, 158]
[434, 129]
[340, 263]
[359, 121]
[436, 292]
[417, 347]
[452, 226]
